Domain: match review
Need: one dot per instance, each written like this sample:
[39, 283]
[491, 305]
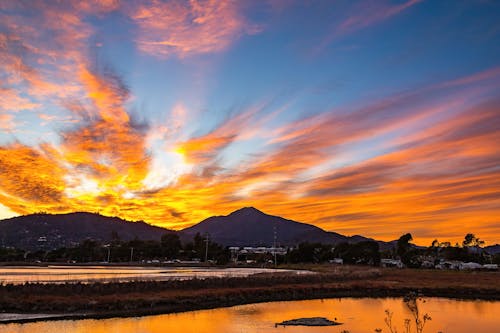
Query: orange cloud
[206, 148]
[29, 177]
[186, 28]
[6, 123]
[11, 101]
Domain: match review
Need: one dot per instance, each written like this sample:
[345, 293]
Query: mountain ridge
[250, 226]
[42, 230]
[246, 226]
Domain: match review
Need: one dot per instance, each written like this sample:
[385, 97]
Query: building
[391, 263]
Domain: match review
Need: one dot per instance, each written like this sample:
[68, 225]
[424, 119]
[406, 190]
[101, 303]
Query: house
[470, 266]
[490, 267]
[337, 261]
[259, 250]
[391, 263]
[427, 264]
[449, 264]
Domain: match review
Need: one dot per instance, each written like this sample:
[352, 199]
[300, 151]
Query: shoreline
[154, 298]
[164, 310]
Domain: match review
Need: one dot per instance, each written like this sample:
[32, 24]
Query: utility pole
[131, 254]
[206, 248]
[274, 247]
[109, 252]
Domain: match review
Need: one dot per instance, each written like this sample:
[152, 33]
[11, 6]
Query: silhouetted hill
[29, 231]
[244, 227]
[249, 226]
[493, 249]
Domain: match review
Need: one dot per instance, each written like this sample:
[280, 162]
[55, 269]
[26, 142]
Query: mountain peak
[248, 226]
[247, 211]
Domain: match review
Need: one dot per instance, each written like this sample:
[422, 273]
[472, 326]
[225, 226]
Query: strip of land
[105, 300]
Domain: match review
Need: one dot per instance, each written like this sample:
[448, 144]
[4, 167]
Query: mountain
[493, 249]
[251, 227]
[245, 227]
[51, 231]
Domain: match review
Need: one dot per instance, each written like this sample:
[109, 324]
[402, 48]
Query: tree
[310, 252]
[412, 258]
[435, 243]
[403, 244]
[366, 252]
[470, 240]
[115, 238]
[199, 244]
[435, 247]
[170, 245]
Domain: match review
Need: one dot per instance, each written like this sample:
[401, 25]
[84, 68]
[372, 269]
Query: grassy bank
[144, 298]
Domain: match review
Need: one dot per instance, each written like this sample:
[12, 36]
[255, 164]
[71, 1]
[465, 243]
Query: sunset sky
[361, 117]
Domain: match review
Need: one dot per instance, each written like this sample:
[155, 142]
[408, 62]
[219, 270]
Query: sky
[361, 117]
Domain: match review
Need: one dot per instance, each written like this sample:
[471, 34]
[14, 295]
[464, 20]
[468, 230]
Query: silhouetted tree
[435, 243]
[366, 252]
[310, 252]
[170, 245]
[199, 245]
[470, 240]
[115, 238]
[455, 253]
[403, 244]
[9, 254]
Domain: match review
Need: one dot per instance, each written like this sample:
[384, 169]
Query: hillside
[245, 227]
[493, 249]
[51, 231]
[249, 226]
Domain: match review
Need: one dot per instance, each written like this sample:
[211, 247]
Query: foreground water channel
[357, 315]
[86, 274]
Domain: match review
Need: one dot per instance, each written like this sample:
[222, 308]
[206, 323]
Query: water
[358, 315]
[61, 274]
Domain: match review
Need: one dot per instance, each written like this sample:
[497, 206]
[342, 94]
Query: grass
[101, 300]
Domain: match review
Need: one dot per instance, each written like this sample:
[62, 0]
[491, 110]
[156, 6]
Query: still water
[358, 315]
[64, 274]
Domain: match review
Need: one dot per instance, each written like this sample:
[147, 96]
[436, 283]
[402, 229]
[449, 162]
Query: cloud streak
[185, 28]
[362, 15]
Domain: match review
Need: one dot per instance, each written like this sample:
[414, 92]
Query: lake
[62, 274]
[358, 315]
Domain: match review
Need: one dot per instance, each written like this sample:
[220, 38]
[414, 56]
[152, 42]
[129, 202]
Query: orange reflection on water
[358, 315]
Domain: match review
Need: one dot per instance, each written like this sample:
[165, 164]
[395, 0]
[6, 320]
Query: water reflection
[60, 274]
[358, 315]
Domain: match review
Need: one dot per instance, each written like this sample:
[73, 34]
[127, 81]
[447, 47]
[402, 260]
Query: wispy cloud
[362, 15]
[6, 122]
[184, 28]
[206, 148]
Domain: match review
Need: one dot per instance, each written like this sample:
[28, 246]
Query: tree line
[169, 247]
[203, 249]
